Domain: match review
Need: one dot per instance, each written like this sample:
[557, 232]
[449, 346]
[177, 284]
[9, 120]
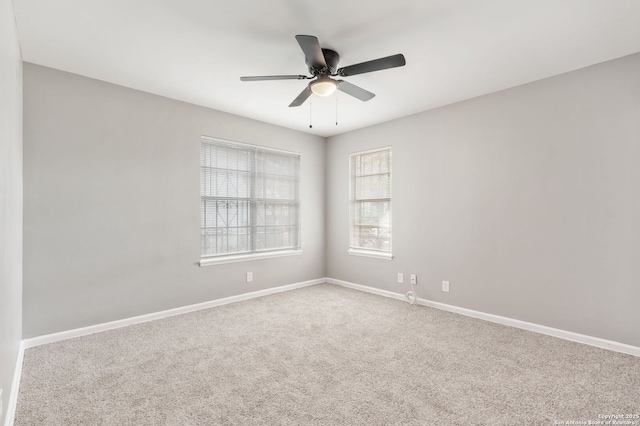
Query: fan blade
[355, 91]
[274, 77]
[301, 97]
[375, 65]
[312, 51]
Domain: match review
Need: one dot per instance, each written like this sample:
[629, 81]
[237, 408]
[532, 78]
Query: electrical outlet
[249, 277]
[400, 278]
[414, 279]
[445, 286]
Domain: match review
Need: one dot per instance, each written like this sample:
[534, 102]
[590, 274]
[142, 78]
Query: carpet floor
[324, 355]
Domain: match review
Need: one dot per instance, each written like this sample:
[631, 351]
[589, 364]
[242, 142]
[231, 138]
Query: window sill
[370, 253]
[210, 261]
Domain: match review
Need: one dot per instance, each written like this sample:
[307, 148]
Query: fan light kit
[323, 86]
[322, 65]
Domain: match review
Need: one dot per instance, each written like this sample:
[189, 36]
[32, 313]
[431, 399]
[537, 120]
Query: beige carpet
[323, 355]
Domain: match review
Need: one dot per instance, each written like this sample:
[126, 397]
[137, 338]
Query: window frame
[253, 253]
[360, 251]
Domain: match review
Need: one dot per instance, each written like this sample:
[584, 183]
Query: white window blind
[249, 199]
[371, 200]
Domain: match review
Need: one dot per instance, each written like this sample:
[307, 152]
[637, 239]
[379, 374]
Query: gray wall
[526, 200]
[10, 200]
[111, 203]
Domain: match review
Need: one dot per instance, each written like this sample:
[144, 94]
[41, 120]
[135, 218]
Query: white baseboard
[15, 387]
[63, 335]
[562, 334]
[366, 289]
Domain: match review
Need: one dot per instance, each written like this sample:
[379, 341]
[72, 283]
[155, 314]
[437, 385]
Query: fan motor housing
[332, 58]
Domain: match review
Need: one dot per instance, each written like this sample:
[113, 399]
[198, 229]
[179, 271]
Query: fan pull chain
[336, 109]
[310, 126]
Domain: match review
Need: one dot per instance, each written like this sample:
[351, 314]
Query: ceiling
[196, 50]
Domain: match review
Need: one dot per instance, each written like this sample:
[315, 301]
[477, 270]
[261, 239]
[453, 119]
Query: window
[370, 207]
[249, 203]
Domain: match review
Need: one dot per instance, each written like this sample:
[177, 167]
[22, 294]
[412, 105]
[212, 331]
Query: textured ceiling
[196, 50]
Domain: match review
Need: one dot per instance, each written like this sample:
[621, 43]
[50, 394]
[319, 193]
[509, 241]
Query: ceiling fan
[322, 65]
